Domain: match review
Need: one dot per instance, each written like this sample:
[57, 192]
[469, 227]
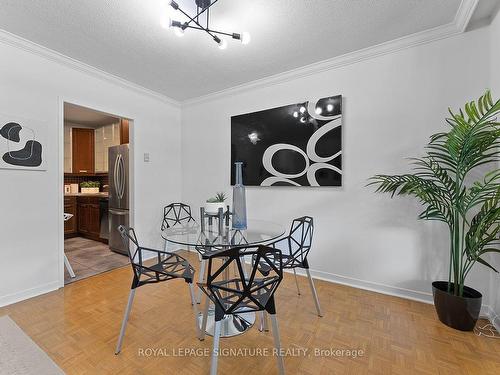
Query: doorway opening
[96, 191]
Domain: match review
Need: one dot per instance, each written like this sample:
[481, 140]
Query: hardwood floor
[78, 327]
[89, 258]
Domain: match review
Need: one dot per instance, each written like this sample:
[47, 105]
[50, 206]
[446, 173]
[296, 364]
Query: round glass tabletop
[190, 234]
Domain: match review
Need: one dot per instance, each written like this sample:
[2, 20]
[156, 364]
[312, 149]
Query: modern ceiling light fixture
[194, 22]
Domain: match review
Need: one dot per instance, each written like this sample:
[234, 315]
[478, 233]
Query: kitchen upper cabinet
[86, 149]
[83, 150]
[124, 139]
[105, 137]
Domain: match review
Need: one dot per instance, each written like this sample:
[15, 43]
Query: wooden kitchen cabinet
[83, 146]
[124, 132]
[89, 218]
[70, 226]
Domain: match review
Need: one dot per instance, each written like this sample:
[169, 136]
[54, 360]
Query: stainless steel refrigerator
[118, 161]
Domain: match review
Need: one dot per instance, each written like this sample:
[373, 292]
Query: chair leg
[264, 324]
[68, 267]
[215, 350]
[195, 308]
[277, 345]
[201, 278]
[165, 248]
[203, 328]
[296, 281]
[313, 290]
[124, 322]
[244, 267]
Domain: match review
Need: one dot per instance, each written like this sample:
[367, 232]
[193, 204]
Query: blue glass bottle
[239, 200]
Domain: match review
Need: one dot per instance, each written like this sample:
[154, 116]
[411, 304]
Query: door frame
[60, 172]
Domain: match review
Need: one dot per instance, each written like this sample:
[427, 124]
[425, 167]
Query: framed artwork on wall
[295, 145]
[22, 143]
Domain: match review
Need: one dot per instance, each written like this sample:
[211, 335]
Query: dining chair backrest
[128, 236]
[245, 292]
[300, 237]
[296, 245]
[176, 213]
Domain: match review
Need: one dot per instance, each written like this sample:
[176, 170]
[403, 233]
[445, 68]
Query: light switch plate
[146, 157]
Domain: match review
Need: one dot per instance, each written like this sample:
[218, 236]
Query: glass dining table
[191, 234]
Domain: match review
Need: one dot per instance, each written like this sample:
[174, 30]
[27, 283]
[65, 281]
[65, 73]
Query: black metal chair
[176, 213]
[295, 247]
[180, 213]
[165, 266]
[244, 292]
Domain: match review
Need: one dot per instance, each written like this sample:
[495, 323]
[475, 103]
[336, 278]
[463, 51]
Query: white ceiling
[125, 37]
[85, 116]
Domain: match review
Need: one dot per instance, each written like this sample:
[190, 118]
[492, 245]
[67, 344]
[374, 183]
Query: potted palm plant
[441, 181]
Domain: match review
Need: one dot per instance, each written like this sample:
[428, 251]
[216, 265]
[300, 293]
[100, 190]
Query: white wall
[30, 204]
[495, 87]
[392, 104]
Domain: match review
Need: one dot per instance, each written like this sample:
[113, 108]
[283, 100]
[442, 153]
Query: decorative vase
[239, 200]
[456, 312]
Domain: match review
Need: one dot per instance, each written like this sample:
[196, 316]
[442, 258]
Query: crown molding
[464, 14]
[458, 26]
[51, 55]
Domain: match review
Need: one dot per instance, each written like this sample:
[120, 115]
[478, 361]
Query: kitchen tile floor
[89, 258]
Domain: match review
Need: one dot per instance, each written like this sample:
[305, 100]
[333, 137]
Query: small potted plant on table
[213, 204]
[90, 187]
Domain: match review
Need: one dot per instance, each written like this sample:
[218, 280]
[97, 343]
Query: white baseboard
[29, 293]
[390, 290]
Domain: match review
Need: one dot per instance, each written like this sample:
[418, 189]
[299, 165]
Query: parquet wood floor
[78, 327]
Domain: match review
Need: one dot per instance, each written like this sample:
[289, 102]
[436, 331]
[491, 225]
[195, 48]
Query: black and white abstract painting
[21, 143]
[294, 145]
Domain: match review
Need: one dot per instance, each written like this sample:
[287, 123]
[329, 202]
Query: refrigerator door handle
[122, 176]
[119, 213]
[115, 177]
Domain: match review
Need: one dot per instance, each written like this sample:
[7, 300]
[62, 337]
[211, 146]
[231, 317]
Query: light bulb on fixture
[173, 4]
[178, 31]
[329, 107]
[223, 44]
[318, 110]
[166, 23]
[302, 109]
[245, 37]
[296, 114]
[303, 120]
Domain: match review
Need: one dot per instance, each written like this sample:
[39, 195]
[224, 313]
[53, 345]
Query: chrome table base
[232, 325]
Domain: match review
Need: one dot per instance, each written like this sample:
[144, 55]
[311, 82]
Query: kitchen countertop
[100, 195]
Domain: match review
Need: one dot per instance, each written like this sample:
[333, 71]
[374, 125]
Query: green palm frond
[427, 191]
[482, 191]
[483, 234]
